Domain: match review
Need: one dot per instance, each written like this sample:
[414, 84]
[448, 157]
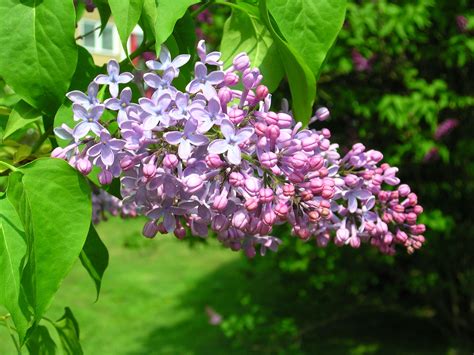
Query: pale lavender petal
[116, 144]
[215, 77]
[199, 114]
[218, 146]
[113, 104]
[164, 101]
[104, 136]
[102, 79]
[126, 95]
[107, 155]
[95, 150]
[96, 128]
[205, 125]
[209, 91]
[201, 49]
[150, 122]
[227, 129]
[92, 89]
[213, 58]
[214, 106]
[152, 80]
[125, 78]
[155, 213]
[244, 134]
[352, 204]
[147, 105]
[200, 70]
[169, 222]
[173, 137]
[96, 112]
[81, 130]
[165, 55]
[184, 150]
[78, 97]
[198, 139]
[154, 65]
[370, 203]
[113, 89]
[234, 154]
[113, 67]
[181, 60]
[190, 127]
[194, 86]
[63, 132]
[80, 112]
[362, 194]
[169, 75]
[181, 100]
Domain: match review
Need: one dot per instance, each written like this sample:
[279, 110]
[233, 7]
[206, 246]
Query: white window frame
[98, 49]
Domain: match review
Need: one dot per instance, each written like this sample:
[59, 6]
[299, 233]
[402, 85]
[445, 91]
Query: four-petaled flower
[208, 118]
[204, 81]
[168, 212]
[231, 142]
[166, 62]
[78, 97]
[186, 138]
[120, 105]
[104, 150]
[114, 78]
[156, 110]
[89, 120]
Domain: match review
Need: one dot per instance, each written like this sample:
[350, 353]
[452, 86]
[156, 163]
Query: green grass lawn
[154, 295]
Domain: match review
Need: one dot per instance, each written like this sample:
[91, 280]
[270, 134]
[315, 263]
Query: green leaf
[54, 204]
[12, 254]
[148, 18]
[104, 12]
[95, 257]
[301, 79]
[39, 53]
[21, 116]
[85, 71]
[41, 343]
[245, 33]
[310, 26]
[167, 14]
[68, 331]
[126, 14]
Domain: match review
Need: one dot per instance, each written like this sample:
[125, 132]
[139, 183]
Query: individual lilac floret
[166, 62]
[78, 97]
[106, 148]
[114, 78]
[204, 81]
[89, 120]
[120, 105]
[231, 141]
[212, 58]
[208, 118]
[156, 111]
[186, 139]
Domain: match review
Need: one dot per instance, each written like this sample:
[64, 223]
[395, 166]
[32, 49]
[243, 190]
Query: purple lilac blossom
[216, 158]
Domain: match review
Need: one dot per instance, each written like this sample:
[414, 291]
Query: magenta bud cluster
[215, 157]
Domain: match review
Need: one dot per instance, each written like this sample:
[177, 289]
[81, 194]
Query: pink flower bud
[214, 161]
[251, 204]
[252, 185]
[268, 159]
[170, 161]
[288, 190]
[281, 210]
[149, 170]
[236, 115]
[251, 78]
[376, 156]
[261, 92]
[314, 216]
[298, 161]
[225, 95]
[322, 114]
[250, 251]
[272, 132]
[236, 179]
[240, 219]
[180, 232]
[219, 223]
[241, 61]
[59, 153]
[316, 163]
[401, 236]
[269, 217]
[220, 202]
[271, 118]
[351, 180]
[284, 120]
[150, 229]
[418, 209]
[260, 128]
[105, 177]
[231, 79]
[84, 166]
[309, 143]
[127, 163]
[265, 195]
[193, 183]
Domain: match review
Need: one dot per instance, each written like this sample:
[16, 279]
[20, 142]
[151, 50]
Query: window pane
[89, 40]
[107, 39]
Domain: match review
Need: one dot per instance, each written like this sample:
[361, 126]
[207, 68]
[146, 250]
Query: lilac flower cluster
[215, 157]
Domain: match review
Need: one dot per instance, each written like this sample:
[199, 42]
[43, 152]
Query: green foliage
[37, 59]
[21, 115]
[168, 12]
[95, 258]
[44, 193]
[244, 32]
[126, 14]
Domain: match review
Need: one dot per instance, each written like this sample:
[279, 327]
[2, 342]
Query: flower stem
[10, 331]
[8, 166]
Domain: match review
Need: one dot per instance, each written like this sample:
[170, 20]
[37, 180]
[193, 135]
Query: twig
[87, 33]
[143, 48]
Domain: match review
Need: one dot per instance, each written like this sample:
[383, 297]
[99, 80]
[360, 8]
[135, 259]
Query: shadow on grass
[236, 290]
